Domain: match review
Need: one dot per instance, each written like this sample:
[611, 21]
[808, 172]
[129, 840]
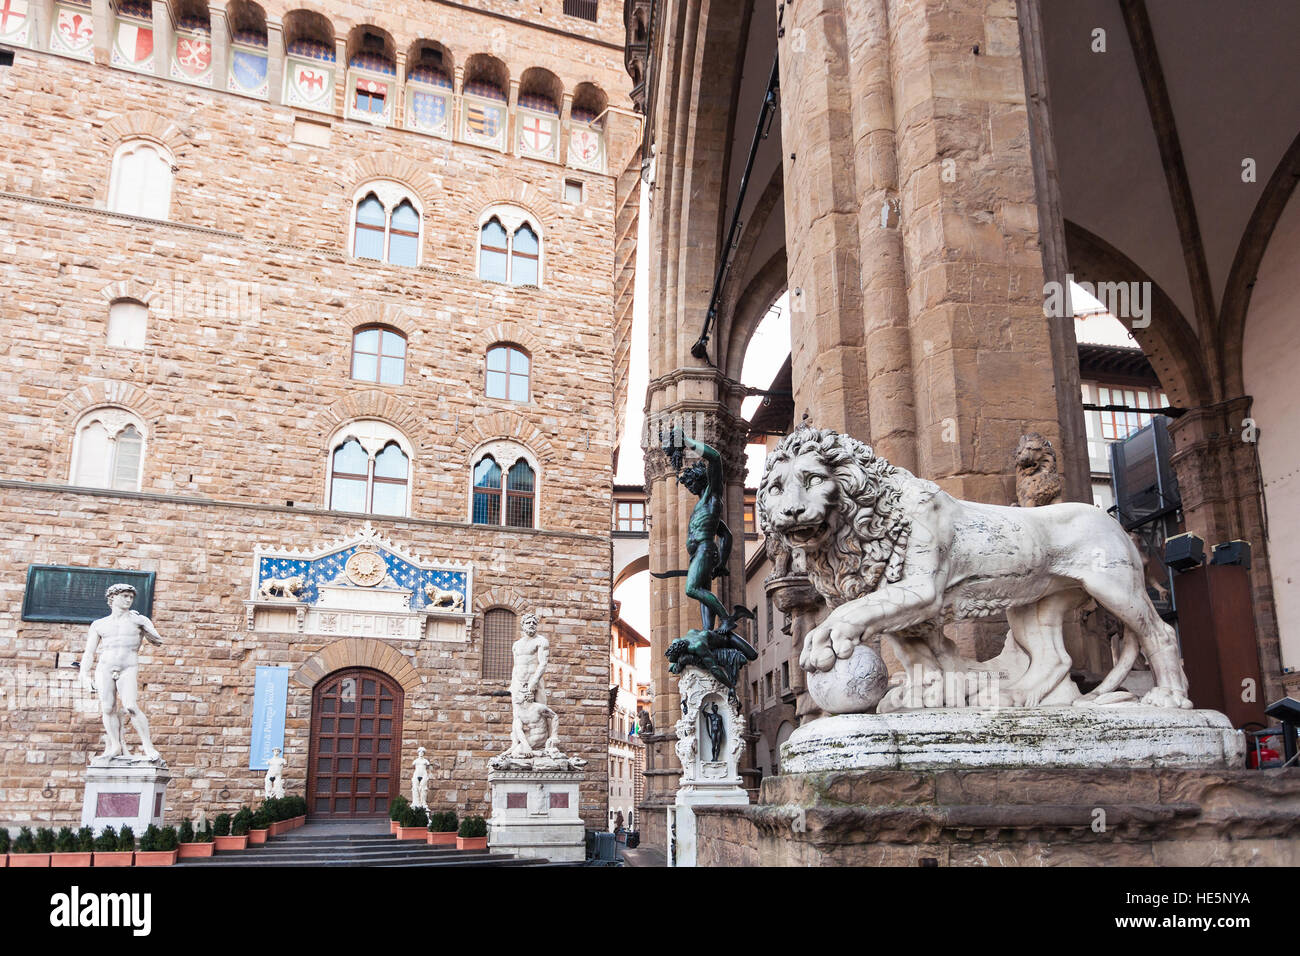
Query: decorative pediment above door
[360, 586]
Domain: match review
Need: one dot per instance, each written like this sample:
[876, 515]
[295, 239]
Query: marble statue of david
[117, 638]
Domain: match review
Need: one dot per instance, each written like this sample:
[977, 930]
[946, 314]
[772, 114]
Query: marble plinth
[124, 792]
[535, 815]
[1081, 737]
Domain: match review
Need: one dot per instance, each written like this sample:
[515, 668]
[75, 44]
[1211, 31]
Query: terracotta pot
[155, 857]
[114, 858]
[258, 837]
[471, 843]
[29, 859]
[412, 833]
[299, 821]
[443, 839]
[231, 842]
[189, 851]
[70, 859]
[393, 826]
[277, 827]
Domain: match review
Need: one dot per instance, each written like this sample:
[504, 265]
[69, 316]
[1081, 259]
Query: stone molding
[142, 124]
[358, 652]
[509, 332]
[398, 169]
[501, 597]
[507, 426]
[372, 403]
[130, 288]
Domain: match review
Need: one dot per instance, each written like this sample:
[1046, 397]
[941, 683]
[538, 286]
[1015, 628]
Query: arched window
[487, 492]
[508, 373]
[505, 487]
[498, 637]
[140, 183]
[369, 470]
[510, 247]
[379, 355]
[108, 450]
[386, 225]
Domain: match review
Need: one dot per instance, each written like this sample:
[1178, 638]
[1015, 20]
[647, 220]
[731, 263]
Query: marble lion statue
[283, 587]
[440, 598]
[895, 556]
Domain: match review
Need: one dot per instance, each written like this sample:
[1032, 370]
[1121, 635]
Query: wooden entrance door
[356, 733]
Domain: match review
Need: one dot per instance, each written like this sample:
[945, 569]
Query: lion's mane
[870, 543]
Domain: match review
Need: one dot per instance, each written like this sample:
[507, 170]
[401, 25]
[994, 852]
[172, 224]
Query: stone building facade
[331, 293]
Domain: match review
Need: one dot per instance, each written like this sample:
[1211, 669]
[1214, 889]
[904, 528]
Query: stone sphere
[854, 685]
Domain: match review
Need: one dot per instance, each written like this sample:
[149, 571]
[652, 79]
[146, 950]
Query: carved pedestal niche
[124, 791]
[535, 815]
[709, 744]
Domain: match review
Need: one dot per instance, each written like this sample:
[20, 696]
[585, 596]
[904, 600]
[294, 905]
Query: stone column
[981, 347]
[823, 247]
[220, 47]
[274, 61]
[794, 596]
[1218, 481]
[883, 278]
[164, 39]
[101, 15]
[42, 14]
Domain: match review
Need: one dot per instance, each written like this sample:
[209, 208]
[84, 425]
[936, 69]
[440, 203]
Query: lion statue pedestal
[1002, 762]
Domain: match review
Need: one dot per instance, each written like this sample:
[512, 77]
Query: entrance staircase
[355, 843]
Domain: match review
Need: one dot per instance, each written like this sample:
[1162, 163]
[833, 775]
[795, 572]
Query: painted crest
[74, 31]
[428, 110]
[585, 146]
[248, 72]
[310, 84]
[193, 55]
[483, 121]
[134, 46]
[14, 21]
[536, 133]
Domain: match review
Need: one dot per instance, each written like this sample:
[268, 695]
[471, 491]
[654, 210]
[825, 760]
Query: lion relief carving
[894, 556]
[281, 587]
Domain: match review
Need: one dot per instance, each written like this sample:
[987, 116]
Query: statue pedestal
[124, 792]
[711, 726]
[1011, 737]
[535, 815]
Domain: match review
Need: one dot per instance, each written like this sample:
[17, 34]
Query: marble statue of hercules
[117, 638]
[531, 654]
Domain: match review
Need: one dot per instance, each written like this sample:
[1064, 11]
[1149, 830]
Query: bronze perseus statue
[715, 646]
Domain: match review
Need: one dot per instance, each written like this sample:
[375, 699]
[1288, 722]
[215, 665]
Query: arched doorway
[356, 736]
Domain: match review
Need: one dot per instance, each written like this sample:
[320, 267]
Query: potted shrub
[299, 811]
[222, 836]
[191, 844]
[67, 850]
[260, 827]
[472, 834]
[115, 849]
[157, 847]
[277, 821]
[414, 824]
[442, 828]
[395, 808]
[23, 852]
[4, 846]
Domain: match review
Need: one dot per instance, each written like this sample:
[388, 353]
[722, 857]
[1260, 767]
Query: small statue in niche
[714, 728]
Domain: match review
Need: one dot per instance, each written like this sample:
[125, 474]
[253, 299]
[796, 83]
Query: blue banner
[270, 695]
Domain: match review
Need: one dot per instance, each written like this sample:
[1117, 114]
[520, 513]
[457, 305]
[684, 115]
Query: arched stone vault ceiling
[1151, 136]
[1169, 342]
